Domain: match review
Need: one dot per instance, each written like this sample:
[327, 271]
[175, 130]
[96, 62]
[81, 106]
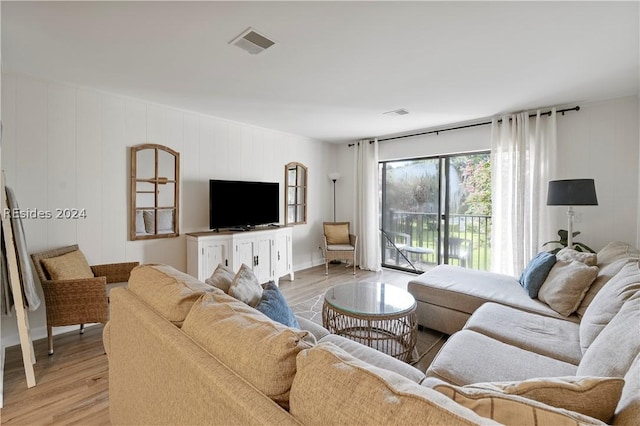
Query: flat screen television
[242, 204]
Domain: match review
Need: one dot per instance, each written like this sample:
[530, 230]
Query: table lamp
[571, 192]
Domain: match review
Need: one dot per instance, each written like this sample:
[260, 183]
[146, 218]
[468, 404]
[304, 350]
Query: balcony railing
[411, 240]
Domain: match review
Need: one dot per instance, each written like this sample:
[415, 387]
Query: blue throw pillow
[536, 272]
[273, 305]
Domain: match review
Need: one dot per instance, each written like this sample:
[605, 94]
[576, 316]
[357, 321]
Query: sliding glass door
[436, 210]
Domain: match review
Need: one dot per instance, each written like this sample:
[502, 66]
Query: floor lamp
[334, 177]
[571, 192]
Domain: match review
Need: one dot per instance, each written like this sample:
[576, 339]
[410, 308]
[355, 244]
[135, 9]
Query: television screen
[242, 204]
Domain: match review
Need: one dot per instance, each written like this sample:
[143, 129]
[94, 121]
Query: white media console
[267, 250]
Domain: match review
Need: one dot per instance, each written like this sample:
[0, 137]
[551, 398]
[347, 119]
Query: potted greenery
[563, 234]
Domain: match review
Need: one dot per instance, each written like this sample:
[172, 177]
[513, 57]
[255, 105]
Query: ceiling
[336, 66]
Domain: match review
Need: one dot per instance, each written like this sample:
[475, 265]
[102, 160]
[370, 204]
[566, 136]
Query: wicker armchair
[77, 301]
[339, 244]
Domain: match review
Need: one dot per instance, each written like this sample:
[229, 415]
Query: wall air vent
[400, 111]
[251, 41]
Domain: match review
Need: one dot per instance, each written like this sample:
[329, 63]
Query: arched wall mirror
[295, 175]
[155, 185]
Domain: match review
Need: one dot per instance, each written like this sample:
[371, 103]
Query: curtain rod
[466, 126]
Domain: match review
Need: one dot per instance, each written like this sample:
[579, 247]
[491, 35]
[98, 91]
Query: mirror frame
[156, 180]
[299, 168]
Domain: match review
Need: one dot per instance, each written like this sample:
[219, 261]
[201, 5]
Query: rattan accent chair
[339, 244]
[77, 301]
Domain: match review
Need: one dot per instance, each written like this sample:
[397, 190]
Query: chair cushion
[69, 266]
[566, 285]
[340, 247]
[332, 387]
[336, 233]
[257, 348]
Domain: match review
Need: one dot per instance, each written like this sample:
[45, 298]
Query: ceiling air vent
[400, 111]
[251, 41]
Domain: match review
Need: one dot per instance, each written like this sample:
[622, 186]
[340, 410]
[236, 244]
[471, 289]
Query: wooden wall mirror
[155, 185]
[295, 175]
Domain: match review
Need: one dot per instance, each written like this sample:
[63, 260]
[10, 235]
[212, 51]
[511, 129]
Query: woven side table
[378, 315]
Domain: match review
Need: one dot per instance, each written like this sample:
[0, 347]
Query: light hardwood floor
[72, 384]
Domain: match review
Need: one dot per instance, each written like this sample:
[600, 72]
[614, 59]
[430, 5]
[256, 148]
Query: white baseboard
[40, 333]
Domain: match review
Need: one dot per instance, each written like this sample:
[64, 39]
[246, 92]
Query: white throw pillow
[245, 287]
[566, 285]
[221, 278]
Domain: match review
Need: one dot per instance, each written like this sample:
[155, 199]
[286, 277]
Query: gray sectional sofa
[500, 334]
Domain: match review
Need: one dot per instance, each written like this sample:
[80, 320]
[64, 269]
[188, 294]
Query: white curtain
[366, 221]
[523, 152]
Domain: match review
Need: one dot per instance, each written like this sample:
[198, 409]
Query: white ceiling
[336, 66]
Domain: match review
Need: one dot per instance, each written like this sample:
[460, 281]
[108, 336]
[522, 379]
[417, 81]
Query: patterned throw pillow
[274, 305]
[69, 266]
[536, 272]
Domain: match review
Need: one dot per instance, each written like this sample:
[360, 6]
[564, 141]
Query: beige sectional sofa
[500, 334]
[183, 352]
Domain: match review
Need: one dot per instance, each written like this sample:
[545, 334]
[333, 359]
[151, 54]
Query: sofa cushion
[613, 351]
[536, 272]
[608, 301]
[551, 337]
[375, 358]
[611, 259]
[470, 357]
[566, 285]
[332, 387]
[245, 286]
[465, 290]
[273, 304]
[69, 266]
[260, 350]
[512, 409]
[170, 292]
[568, 254]
[628, 409]
[221, 278]
[592, 396]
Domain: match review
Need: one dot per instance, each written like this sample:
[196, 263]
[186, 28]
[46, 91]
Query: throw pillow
[69, 266]
[512, 409]
[245, 286]
[536, 272]
[337, 233]
[566, 285]
[221, 278]
[273, 305]
[592, 396]
[568, 254]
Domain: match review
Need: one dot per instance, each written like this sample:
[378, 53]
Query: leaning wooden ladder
[26, 344]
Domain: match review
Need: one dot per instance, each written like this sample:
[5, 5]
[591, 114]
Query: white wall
[601, 141]
[67, 147]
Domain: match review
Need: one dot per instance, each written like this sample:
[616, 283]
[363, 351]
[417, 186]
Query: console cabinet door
[282, 254]
[215, 253]
[263, 269]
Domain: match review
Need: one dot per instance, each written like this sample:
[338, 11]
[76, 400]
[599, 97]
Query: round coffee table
[378, 315]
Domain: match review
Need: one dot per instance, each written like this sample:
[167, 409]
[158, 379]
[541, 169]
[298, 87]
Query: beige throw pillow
[566, 285]
[568, 254]
[337, 233]
[260, 350]
[221, 278]
[513, 409]
[245, 286]
[69, 266]
[592, 396]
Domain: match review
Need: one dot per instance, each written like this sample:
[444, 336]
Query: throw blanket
[27, 283]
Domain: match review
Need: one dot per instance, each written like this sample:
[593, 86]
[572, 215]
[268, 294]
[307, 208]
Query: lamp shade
[572, 192]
